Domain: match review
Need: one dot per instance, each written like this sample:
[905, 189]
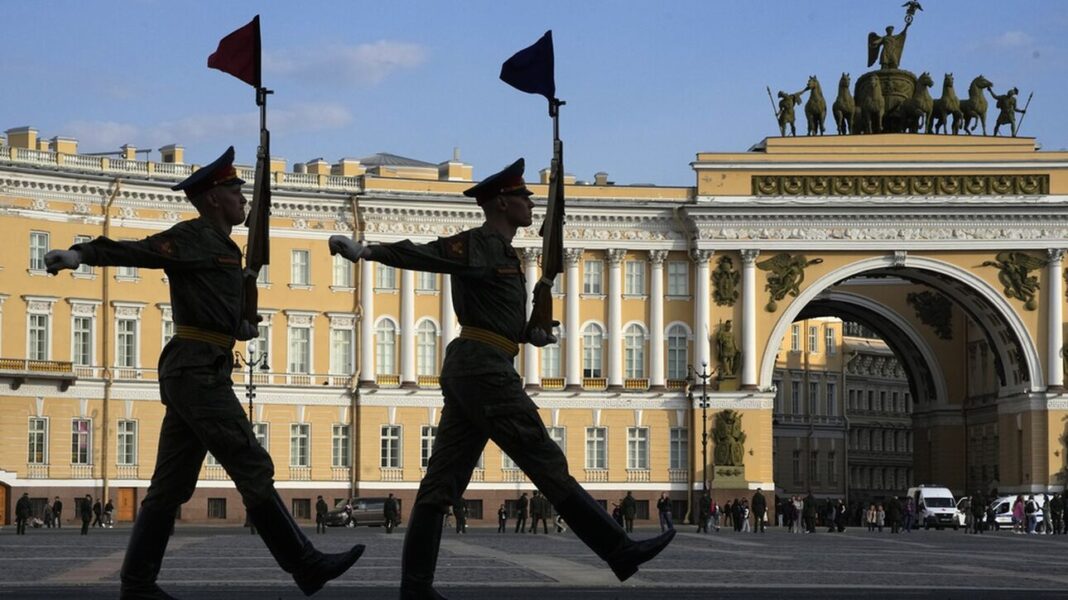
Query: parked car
[357, 511]
[1003, 509]
[935, 506]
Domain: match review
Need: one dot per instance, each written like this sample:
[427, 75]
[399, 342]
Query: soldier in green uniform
[204, 268]
[484, 397]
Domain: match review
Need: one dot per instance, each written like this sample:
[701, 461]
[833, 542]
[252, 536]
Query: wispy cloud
[1013, 39]
[363, 64]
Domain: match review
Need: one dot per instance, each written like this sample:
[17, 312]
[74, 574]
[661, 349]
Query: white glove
[344, 246]
[539, 338]
[57, 260]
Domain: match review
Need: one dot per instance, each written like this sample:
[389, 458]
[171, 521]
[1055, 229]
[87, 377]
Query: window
[814, 466]
[39, 325]
[679, 448]
[300, 350]
[260, 431]
[81, 352]
[37, 453]
[126, 343]
[832, 399]
[852, 399]
[210, 460]
[888, 445]
[340, 444]
[264, 276]
[558, 435]
[298, 274]
[777, 384]
[342, 272]
[596, 448]
[80, 442]
[426, 346]
[634, 352]
[83, 269]
[216, 508]
[550, 357]
[426, 444]
[507, 463]
[896, 400]
[426, 282]
[126, 453]
[882, 402]
[638, 448]
[126, 272]
[795, 338]
[168, 329]
[592, 339]
[871, 400]
[385, 347]
[813, 398]
[301, 508]
[795, 396]
[796, 465]
[876, 440]
[830, 343]
[592, 277]
[38, 248]
[676, 352]
[634, 278]
[832, 467]
[298, 444]
[678, 278]
[385, 277]
[813, 339]
[341, 357]
[390, 455]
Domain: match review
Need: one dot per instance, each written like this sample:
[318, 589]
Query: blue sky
[648, 85]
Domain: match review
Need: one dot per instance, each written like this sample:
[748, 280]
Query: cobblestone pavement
[214, 562]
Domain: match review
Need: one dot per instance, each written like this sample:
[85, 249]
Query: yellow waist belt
[189, 332]
[488, 337]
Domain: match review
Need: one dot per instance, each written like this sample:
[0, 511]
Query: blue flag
[531, 70]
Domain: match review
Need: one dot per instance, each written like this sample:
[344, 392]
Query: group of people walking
[51, 514]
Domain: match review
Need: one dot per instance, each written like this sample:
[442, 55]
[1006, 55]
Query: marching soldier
[484, 397]
[203, 265]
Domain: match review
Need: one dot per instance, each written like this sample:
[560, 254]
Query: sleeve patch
[455, 247]
[166, 247]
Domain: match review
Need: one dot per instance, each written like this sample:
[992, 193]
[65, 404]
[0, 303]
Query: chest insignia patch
[228, 260]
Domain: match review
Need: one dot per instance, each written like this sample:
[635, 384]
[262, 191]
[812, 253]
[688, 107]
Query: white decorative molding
[41, 305]
[300, 318]
[341, 320]
[127, 310]
[83, 308]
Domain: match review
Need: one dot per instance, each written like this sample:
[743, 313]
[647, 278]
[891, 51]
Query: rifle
[552, 233]
[258, 252]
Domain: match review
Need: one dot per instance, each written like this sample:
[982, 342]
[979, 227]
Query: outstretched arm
[433, 257]
[159, 251]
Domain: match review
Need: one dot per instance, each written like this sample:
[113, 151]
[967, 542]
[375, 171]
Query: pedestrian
[840, 516]
[893, 514]
[48, 519]
[521, 507]
[483, 394]
[320, 515]
[809, 512]
[703, 513]
[502, 519]
[1018, 515]
[85, 511]
[1031, 514]
[109, 514]
[737, 514]
[391, 513]
[560, 524]
[629, 507]
[714, 514]
[880, 517]
[459, 510]
[870, 516]
[1056, 511]
[538, 512]
[909, 514]
[207, 291]
[663, 507]
[57, 512]
[1047, 519]
[98, 510]
[978, 510]
[744, 514]
[760, 511]
[617, 513]
[23, 511]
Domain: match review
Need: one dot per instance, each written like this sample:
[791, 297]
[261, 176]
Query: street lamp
[251, 361]
[705, 376]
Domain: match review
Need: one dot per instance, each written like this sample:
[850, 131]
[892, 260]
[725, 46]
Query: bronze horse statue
[945, 107]
[871, 108]
[844, 107]
[916, 111]
[974, 108]
[815, 108]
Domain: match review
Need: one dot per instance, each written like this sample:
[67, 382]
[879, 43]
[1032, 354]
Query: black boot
[144, 556]
[420, 556]
[311, 569]
[606, 538]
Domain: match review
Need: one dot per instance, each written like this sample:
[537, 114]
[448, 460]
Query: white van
[935, 506]
[1002, 508]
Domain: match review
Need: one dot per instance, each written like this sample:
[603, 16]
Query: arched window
[426, 344]
[592, 349]
[634, 352]
[676, 352]
[385, 348]
[550, 357]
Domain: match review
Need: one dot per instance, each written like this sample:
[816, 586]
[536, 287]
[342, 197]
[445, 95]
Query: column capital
[615, 255]
[657, 257]
[701, 256]
[1055, 254]
[572, 256]
[530, 256]
[749, 256]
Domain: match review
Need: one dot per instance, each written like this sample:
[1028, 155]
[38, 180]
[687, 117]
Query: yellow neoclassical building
[911, 236]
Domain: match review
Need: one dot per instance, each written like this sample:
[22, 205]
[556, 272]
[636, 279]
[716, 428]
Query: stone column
[656, 320]
[573, 345]
[749, 302]
[367, 323]
[702, 303]
[1055, 298]
[407, 328]
[448, 313]
[531, 371]
[615, 318]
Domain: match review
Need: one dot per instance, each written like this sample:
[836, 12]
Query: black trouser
[20, 525]
[544, 524]
[501, 525]
[320, 524]
[391, 522]
[629, 523]
[96, 521]
[520, 523]
[85, 526]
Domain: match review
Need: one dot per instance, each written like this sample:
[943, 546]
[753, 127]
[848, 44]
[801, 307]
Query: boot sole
[310, 587]
[624, 572]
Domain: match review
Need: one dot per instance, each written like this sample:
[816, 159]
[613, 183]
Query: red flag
[239, 54]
